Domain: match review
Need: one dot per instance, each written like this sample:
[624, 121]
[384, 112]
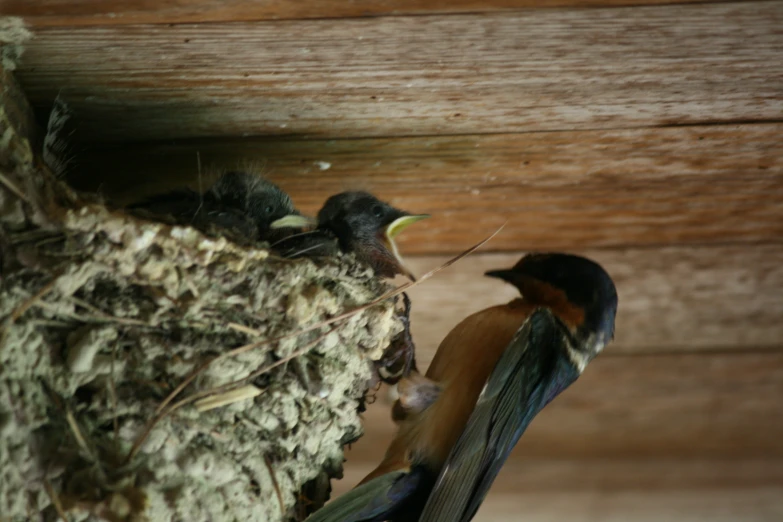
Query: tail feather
[55, 145]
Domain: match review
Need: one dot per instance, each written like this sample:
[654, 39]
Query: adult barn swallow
[490, 377]
[243, 203]
[358, 222]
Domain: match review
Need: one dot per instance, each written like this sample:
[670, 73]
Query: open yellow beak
[294, 221]
[393, 229]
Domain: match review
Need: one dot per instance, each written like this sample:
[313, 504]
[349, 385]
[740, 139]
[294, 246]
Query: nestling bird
[243, 203]
[355, 222]
[490, 377]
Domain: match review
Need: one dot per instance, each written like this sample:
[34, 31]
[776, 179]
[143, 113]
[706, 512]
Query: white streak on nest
[85, 347]
[323, 165]
[183, 233]
[212, 245]
[5, 140]
[144, 241]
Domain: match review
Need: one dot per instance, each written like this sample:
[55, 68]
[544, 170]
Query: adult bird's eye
[377, 211]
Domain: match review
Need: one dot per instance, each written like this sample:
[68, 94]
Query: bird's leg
[409, 349]
[416, 394]
[371, 395]
[314, 495]
[399, 358]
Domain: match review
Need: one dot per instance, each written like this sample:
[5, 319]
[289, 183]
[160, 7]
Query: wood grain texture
[760, 504]
[704, 184]
[675, 406]
[595, 490]
[417, 75]
[530, 474]
[672, 299]
[41, 13]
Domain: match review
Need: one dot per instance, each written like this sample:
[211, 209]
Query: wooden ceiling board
[531, 70]
[559, 190]
[42, 13]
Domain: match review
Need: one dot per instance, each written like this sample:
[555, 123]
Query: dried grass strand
[108, 317]
[243, 329]
[24, 307]
[58, 507]
[112, 386]
[275, 484]
[14, 189]
[219, 400]
[77, 434]
[162, 412]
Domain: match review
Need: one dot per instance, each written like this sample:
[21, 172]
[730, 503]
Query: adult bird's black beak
[505, 275]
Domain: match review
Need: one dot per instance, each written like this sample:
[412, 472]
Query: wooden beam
[676, 406]
[752, 505]
[703, 184]
[672, 300]
[613, 490]
[531, 474]
[417, 75]
[42, 13]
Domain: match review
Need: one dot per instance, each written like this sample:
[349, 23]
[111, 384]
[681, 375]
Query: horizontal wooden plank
[675, 406]
[530, 474]
[752, 505]
[417, 75]
[621, 490]
[671, 299]
[42, 13]
[703, 184]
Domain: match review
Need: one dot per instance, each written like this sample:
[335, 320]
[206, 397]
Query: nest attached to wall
[105, 315]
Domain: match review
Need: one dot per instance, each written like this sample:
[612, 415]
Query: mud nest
[104, 315]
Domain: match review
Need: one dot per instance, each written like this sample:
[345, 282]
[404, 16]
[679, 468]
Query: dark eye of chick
[377, 211]
[269, 209]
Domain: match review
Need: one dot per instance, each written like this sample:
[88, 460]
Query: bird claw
[399, 358]
[416, 394]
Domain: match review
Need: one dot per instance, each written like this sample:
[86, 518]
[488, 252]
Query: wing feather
[533, 368]
[372, 501]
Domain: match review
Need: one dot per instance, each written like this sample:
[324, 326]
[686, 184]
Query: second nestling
[240, 205]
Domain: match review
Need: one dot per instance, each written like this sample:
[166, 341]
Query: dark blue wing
[533, 369]
[374, 501]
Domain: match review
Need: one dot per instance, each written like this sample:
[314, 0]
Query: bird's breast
[462, 365]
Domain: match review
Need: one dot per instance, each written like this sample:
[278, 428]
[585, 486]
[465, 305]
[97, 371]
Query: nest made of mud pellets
[104, 315]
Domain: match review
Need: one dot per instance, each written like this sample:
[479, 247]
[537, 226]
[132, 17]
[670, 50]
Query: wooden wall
[647, 134]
